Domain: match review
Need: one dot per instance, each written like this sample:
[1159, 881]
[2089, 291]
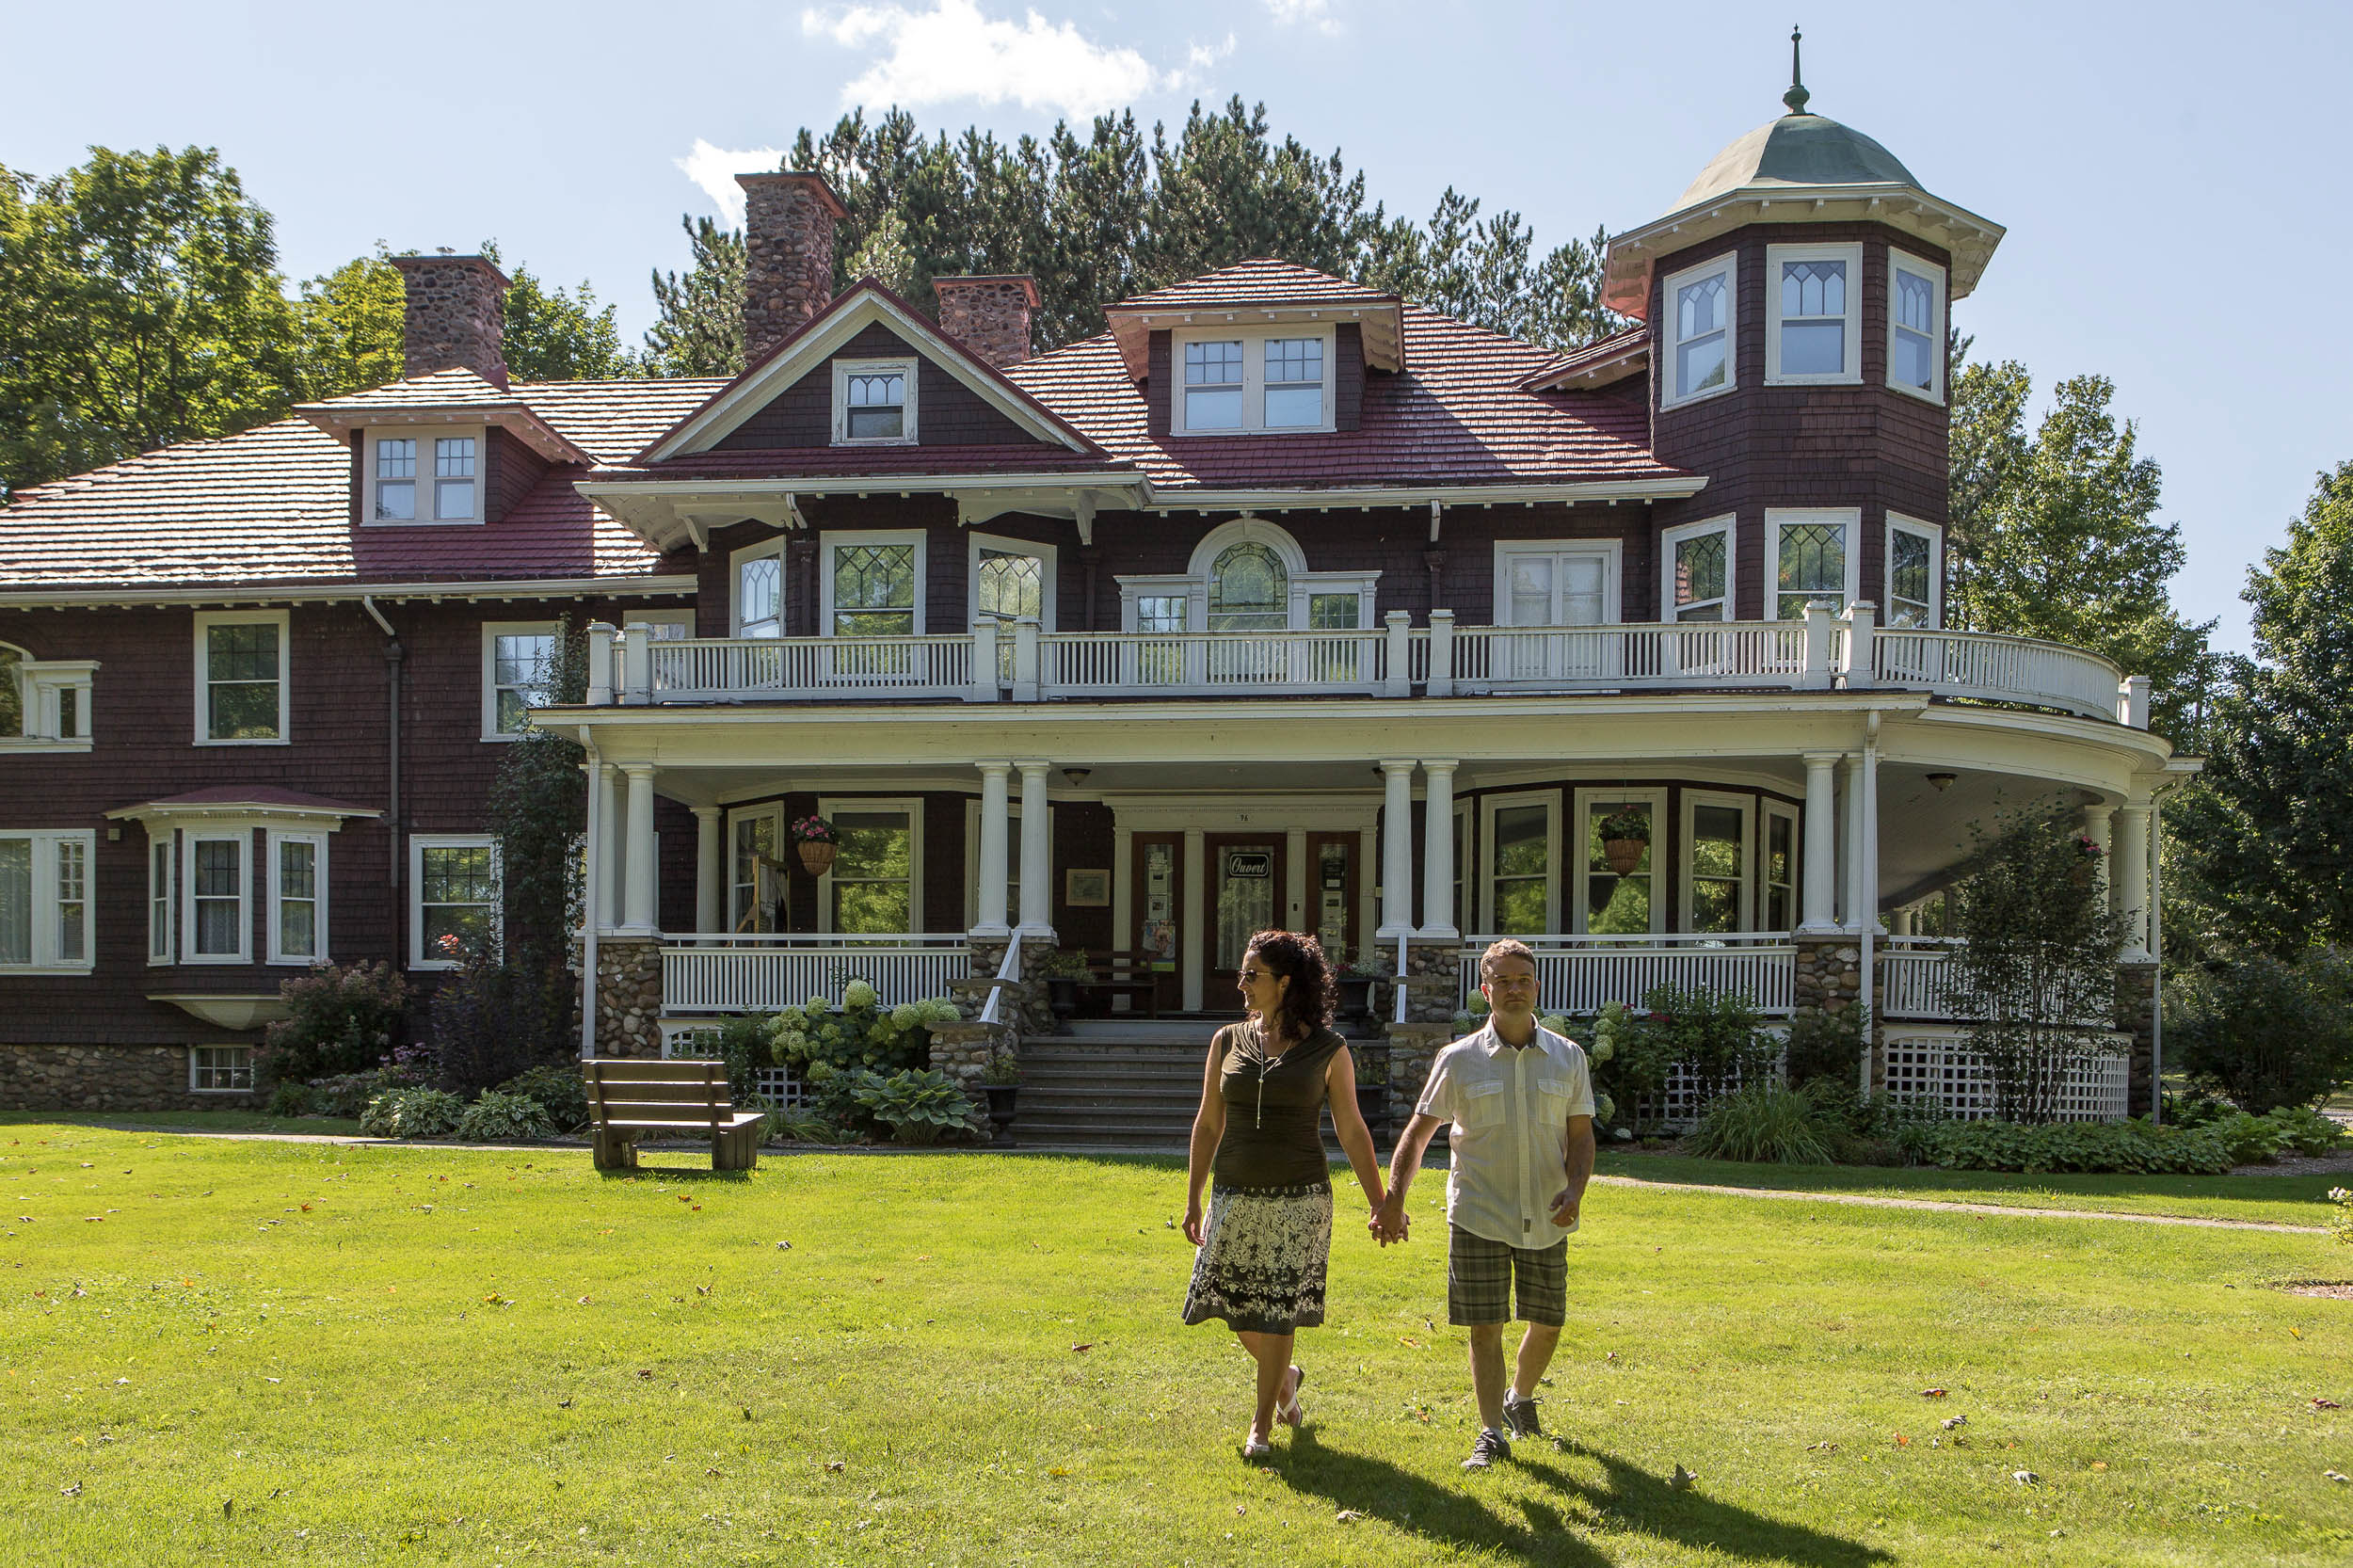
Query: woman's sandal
[1253, 1449]
[1296, 1415]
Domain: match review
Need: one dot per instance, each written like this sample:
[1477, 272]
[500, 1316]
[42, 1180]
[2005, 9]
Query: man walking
[1521, 1103]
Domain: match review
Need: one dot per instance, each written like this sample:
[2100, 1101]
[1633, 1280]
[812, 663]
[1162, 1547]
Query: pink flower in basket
[813, 830]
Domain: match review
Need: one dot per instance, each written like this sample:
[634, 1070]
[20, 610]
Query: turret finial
[1797, 95]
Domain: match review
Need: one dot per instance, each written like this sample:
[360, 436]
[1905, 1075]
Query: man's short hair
[1499, 949]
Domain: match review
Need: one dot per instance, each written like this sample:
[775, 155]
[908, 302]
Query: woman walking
[1259, 1130]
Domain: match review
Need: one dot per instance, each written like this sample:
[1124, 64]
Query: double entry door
[1248, 886]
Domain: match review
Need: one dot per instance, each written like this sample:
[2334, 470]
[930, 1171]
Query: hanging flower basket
[815, 841]
[1625, 834]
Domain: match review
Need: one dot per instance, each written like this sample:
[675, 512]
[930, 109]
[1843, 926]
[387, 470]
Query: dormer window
[1812, 298]
[873, 402]
[1242, 382]
[424, 478]
[1915, 325]
[1699, 313]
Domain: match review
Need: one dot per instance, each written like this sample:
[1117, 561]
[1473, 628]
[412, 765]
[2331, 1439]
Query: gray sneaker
[1519, 1418]
[1490, 1447]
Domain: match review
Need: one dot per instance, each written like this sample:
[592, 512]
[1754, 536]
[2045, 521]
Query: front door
[1331, 905]
[1246, 896]
[1158, 878]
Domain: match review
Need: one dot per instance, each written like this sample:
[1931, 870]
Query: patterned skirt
[1261, 1263]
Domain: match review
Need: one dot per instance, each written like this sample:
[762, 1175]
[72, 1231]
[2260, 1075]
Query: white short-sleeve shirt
[1511, 1109]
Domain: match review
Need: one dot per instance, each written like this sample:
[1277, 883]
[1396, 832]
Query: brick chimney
[989, 315]
[455, 316]
[788, 254]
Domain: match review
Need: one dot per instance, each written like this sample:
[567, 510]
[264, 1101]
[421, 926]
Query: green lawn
[201, 1121]
[506, 1358]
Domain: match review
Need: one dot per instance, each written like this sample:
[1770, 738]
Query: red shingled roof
[1455, 416]
[1261, 280]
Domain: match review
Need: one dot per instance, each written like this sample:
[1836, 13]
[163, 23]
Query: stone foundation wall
[628, 997]
[105, 1078]
[1030, 1011]
[963, 1052]
[2136, 1016]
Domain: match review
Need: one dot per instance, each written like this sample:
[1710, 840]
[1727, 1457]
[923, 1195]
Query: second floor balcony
[1019, 662]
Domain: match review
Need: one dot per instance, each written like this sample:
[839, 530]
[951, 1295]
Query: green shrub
[2197, 1108]
[346, 1094]
[1763, 1122]
[1826, 1044]
[918, 1107]
[2306, 1131]
[411, 1114]
[800, 1126]
[860, 1033]
[1714, 1035]
[2133, 1146]
[2264, 1031]
[498, 1117]
[2252, 1140]
[491, 1020]
[293, 1098]
[560, 1091]
[340, 1018]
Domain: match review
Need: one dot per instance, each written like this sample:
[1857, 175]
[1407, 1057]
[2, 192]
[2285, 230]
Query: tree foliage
[2265, 1031]
[2036, 968]
[2261, 844]
[1114, 213]
[2056, 534]
[140, 304]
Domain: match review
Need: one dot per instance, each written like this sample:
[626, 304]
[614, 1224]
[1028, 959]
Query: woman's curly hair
[1310, 1002]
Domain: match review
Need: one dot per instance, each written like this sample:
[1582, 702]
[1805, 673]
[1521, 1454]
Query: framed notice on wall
[1087, 890]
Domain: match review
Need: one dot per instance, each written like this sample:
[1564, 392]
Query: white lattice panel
[1942, 1068]
[693, 1038]
[1678, 1106]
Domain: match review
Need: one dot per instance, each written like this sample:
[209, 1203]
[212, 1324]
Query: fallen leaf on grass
[2332, 1475]
[1409, 1344]
[1059, 1470]
[1345, 1516]
[2098, 1464]
[1932, 1393]
[714, 1475]
[1952, 1421]
[644, 1372]
[1682, 1479]
[1902, 1442]
[1078, 1349]
[835, 1463]
[1823, 1447]
[2025, 1478]
[2318, 1403]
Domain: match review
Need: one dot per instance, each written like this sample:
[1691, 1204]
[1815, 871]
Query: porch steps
[1116, 1084]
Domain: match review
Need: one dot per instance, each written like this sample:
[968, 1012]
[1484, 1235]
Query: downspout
[2156, 968]
[1868, 914]
[392, 655]
[592, 895]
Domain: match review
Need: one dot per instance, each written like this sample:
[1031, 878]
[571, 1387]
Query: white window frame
[205, 621]
[1850, 373]
[773, 812]
[1012, 859]
[668, 625]
[1488, 807]
[842, 371]
[243, 837]
[1898, 523]
[239, 1062]
[1746, 806]
[1729, 526]
[1898, 262]
[913, 806]
[44, 955]
[492, 631]
[1768, 812]
[737, 561]
[53, 699]
[1612, 554]
[317, 841]
[163, 856]
[1466, 875]
[1253, 341]
[1778, 518]
[427, 491]
[418, 844]
[833, 539]
[1727, 264]
[1604, 800]
[1043, 553]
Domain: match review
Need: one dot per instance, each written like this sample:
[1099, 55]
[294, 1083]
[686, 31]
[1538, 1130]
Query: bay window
[1778, 871]
[1915, 573]
[1813, 298]
[1716, 863]
[1621, 838]
[1810, 555]
[1695, 571]
[1699, 360]
[297, 898]
[215, 873]
[159, 887]
[755, 837]
[1523, 882]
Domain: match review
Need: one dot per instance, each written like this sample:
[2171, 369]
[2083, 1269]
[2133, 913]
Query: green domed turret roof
[1808, 150]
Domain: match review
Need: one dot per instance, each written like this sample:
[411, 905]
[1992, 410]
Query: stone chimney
[455, 316]
[788, 254]
[989, 315]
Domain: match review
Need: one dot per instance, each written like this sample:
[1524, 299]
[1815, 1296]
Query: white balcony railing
[1581, 974]
[1915, 983]
[997, 660]
[761, 974]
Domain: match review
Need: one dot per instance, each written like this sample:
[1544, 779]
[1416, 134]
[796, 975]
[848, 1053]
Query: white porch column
[1904, 919]
[710, 873]
[1437, 852]
[638, 915]
[1037, 869]
[1196, 958]
[1367, 918]
[2130, 888]
[1300, 877]
[996, 822]
[608, 835]
[1397, 859]
[2099, 826]
[1822, 842]
[1853, 901]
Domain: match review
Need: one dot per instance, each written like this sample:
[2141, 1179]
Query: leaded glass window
[873, 590]
[1814, 318]
[759, 597]
[1702, 326]
[1909, 578]
[874, 405]
[1010, 585]
[1812, 566]
[1249, 591]
[1701, 577]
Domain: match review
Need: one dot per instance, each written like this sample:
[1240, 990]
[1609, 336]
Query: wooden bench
[1121, 974]
[633, 1098]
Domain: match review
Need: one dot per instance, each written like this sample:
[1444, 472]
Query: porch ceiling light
[1077, 776]
[1942, 781]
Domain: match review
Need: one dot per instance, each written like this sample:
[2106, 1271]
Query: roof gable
[1260, 290]
[833, 330]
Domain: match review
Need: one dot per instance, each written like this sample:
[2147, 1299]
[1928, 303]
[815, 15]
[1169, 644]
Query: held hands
[1389, 1222]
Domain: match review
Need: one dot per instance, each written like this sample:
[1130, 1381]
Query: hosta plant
[497, 1117]
[916, 1106]
[411, 1114]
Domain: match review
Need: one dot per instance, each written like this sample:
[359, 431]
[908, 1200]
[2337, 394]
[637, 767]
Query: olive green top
[1274, 1109]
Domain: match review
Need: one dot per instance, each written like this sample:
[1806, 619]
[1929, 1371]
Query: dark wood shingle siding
[947, 412]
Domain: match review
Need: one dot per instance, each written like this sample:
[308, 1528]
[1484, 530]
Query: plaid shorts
[1480, 1275]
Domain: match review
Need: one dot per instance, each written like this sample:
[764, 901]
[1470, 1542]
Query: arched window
[1249, 591]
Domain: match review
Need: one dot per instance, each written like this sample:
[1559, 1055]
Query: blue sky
[2169, 175]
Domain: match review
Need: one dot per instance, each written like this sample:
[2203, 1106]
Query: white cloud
[953, 51]
[1202, 56]
[1312, 13]
[714, 169]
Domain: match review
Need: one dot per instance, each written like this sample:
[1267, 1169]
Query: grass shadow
[675, 1172]
[1627, 1497]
